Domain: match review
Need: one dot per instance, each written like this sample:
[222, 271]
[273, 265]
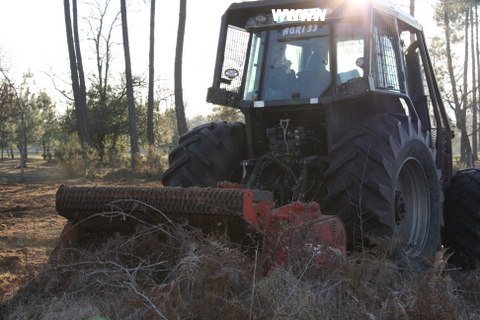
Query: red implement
[287, 231]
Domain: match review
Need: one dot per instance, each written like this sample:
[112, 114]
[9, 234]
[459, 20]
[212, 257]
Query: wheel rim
[412, 208]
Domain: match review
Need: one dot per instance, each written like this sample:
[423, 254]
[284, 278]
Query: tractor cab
[325, 62]
[274, 53]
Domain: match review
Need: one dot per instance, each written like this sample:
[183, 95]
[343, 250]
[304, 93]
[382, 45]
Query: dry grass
[141, 277]
[36, 171]
[171, 272]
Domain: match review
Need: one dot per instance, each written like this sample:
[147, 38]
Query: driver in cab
[279, 78]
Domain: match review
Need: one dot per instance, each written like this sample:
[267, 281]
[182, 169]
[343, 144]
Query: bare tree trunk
[179, 105]
[25, 142]
[22, 146]
[80, 106]
[151, 75]
[97, 40]
[460, 113]
[478, 68]
[102, 38]
[474, 92]
[446, 20]
[466, 141]
[78, 53]
[22, 162]
[103, 65]
[44, 147]
[128, 76]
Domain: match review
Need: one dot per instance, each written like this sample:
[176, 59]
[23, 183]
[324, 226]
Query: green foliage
[75, 161]
[148, 165]
[152, 161]
[107, 118]
[117, 157]
[166, 129]
[137, 163]
[70, 158]
[91, 160]
[26, 118]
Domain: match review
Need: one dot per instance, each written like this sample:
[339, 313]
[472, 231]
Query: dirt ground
[29, 227]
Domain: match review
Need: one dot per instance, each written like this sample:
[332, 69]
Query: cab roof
[238, 13]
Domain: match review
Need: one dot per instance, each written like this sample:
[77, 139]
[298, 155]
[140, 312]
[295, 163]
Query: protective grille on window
[235, 51]
[385, 52]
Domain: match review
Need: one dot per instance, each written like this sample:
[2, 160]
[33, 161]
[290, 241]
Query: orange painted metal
[289, 232]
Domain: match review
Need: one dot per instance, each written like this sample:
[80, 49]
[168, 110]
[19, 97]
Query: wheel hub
[412, 207]
[400, 208]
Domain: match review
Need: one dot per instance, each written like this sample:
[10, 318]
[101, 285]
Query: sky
[32, 39]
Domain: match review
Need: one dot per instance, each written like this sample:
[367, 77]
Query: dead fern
[176, 272]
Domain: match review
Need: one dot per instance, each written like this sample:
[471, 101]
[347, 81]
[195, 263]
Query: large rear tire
[206, 155]
[383, 182]
[461, 232]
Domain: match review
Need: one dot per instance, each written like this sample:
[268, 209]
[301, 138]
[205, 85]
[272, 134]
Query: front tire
[206, 155]
[383, 182]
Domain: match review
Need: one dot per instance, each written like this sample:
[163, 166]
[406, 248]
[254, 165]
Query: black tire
[383, 182]
[206, 155]
[461, 233]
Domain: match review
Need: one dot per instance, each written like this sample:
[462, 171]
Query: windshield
[296, 62]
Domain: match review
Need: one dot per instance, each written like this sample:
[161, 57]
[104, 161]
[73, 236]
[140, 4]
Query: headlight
[359, 62]
[261, 18]
[231, 73]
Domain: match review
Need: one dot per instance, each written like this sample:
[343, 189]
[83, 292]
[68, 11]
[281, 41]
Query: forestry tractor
[342, 113]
